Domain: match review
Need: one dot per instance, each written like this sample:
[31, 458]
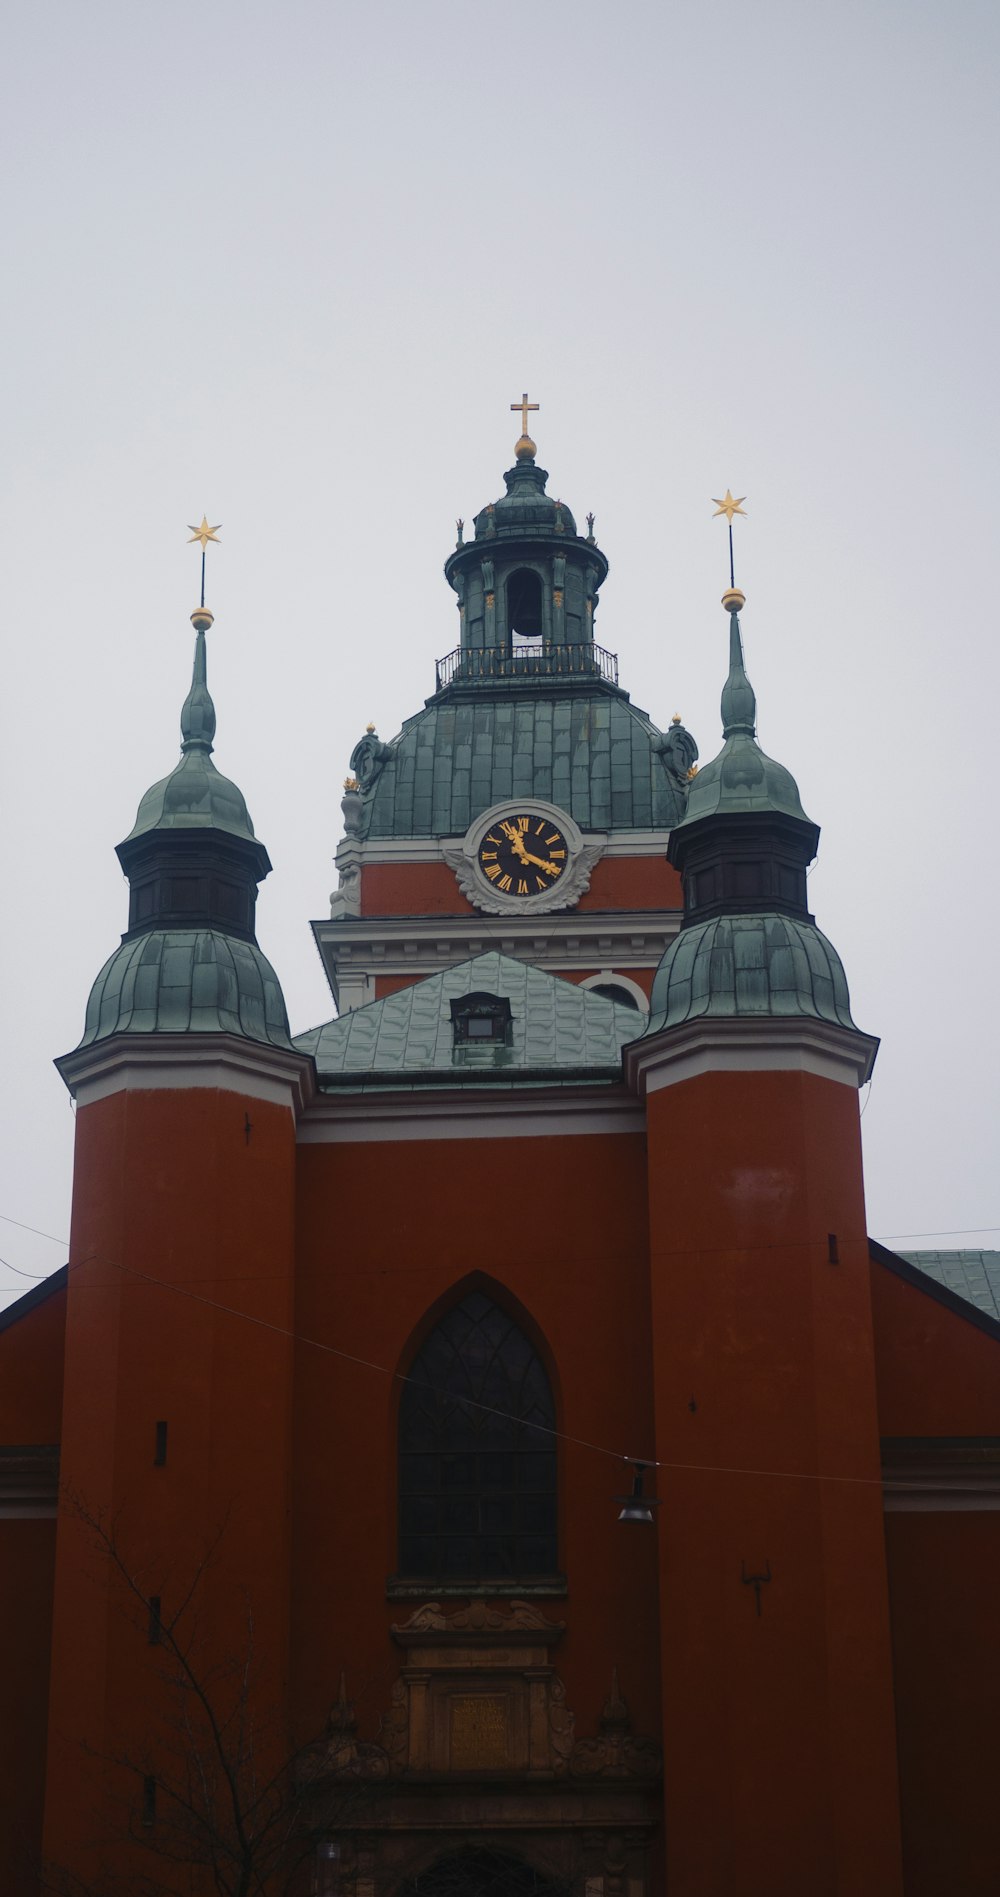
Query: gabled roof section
[29, 1300]
[973, 1275]
[939, 1275]
[558, 1032]
[594, 754]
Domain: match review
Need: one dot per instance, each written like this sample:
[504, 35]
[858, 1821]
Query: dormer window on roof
[481, 1020]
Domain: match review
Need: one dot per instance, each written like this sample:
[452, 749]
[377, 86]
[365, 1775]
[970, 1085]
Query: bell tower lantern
[528, 583]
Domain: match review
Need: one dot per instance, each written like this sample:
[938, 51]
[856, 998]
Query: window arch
[479, 1873]
[524, 606]
[477, 1463]
[615, 987]
[613, 991]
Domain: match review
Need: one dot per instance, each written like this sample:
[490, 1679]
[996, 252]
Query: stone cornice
[147, 1062]
[941, 1475]
[386, 1114]
[421, 945]
[714, 1044]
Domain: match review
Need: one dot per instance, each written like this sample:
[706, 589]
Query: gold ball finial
[201, 619]
[370, 727]
[525, 449]
[677, 719]
[733, 600]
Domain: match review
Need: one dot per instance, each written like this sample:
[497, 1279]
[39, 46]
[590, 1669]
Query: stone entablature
[360, 951]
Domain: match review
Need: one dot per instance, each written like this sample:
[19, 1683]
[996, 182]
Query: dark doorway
[482, 1874]
[524, 607]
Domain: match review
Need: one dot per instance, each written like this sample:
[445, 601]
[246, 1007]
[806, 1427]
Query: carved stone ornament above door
[480, 1694]
[477, 1695]
[464, 855]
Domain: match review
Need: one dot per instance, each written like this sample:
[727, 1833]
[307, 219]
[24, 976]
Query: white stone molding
[392, 1115]
[608, 977]
[713, 1044]
[144, 1063]
[461, 855]
[357, 949]
[942, 1484]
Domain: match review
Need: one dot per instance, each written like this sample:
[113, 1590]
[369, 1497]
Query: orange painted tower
[779, 1741]
[177, 1393]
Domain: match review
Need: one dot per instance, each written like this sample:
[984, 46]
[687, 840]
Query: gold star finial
[205, 533]
[729, 507]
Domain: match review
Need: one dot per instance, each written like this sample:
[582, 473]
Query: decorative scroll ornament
[615, 1753]
[479, 1617]
[461, 856]
[562, 1727]
[679, 752]
[368, 757]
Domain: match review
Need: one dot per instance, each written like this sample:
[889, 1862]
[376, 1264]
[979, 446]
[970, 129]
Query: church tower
[779, 1743]
[173, 1526]
[527, 729]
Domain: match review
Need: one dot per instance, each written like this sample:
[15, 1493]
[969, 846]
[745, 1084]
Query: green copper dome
[525, 508]
[187, 981]
[749, 967]
[195, 796]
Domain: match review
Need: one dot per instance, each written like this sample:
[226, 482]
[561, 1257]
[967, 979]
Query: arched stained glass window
[477, 1464]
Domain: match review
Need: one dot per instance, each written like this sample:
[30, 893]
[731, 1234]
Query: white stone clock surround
[462, 855]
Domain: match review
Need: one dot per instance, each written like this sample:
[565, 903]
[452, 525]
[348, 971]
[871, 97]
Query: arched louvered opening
[524, 607]
[482, 1874]
[613, 991]
[477, 1458]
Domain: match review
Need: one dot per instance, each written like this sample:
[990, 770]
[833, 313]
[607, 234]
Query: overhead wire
[400, 1376]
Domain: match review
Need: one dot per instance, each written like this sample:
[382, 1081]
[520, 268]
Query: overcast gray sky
[290, 266]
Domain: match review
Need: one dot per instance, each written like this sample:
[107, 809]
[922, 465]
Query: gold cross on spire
[526, 408]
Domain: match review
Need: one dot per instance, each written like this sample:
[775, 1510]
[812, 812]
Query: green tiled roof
[974, 1275]
[749, 966]
[559, 1030]
[187, 981]
[593, 754]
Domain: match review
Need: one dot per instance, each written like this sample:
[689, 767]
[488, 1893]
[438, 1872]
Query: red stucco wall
[31, 1363]
[177, 1212]
[430, 889]
[553, 1226]
[939, 1376]
[778, 1728]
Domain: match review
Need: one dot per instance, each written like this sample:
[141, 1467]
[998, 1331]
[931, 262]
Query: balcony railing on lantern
[535, 659]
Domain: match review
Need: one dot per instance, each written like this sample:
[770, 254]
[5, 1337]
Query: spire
[739, 704]
[748, 946]
[191, 857]
[198, 711]
[189, 960]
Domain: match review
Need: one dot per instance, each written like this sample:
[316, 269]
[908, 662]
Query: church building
[474, 1448]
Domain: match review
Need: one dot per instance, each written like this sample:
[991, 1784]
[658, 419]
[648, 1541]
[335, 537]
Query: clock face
[523, 856]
